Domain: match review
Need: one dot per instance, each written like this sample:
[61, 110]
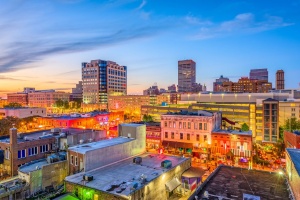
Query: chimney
[13, 136]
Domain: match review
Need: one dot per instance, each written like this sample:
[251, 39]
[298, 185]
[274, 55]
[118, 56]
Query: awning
[193, 172]
[172, 184]
[177, 144]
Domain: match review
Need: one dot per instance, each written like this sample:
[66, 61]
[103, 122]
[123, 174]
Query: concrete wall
[293, 177]
[54, 174]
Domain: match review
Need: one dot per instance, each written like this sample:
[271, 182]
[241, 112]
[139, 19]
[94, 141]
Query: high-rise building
[186, 75]
[280, 80]
[270, 120]
[101, 78]
[259, 74]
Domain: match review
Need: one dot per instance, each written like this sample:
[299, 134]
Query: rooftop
[234, 132]
[185, 112]
[10, 186]
[233, 183]
[44, 134]
[295, 157]
[124, 174]
[83, 148]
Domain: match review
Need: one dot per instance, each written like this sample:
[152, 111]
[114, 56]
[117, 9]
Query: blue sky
[43, 43]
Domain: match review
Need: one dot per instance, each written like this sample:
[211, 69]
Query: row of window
[188, 125]
[188, 136]
[31, 151]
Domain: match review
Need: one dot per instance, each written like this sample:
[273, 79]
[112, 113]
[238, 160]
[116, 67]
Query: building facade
[46, 98]
[259, 74]
[218, 83]
[21, 98]
[186, 75]
[293, 171]
[153, 136]
[76, 94]
[101, 78]
[22, 112]
[292, 139]
[280, 80]
[188, 131]
[237, 142]
[270, 120]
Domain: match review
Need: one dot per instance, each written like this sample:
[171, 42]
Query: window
[195, 126]
[189, 125]
[188, 136]
[166, 124]
[21, 153]
[166, 134]
[44, 148]
[205, 138]
[200, 126]
[72, 159]
[197, 137]
[76, 161]
[180, 125]
[184, 124]
[172, 135]
[7, 154]
[170, 124]
[181, 136]
[32, 151]
[205, 126]
[174, 124]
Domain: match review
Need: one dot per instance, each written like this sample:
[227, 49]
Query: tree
[245, 127]
[147, 118]
[59, 103]
[13, 105]
[292, 124]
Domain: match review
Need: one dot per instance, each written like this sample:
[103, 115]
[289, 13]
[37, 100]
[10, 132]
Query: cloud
[9, 78]
[38, 39]
[244, 23]
[144, 2]
[68, 72]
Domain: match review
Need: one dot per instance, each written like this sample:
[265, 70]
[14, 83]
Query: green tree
[292, 124]
[59, 103]
[13, 105]
[245, 127]
[147, 118]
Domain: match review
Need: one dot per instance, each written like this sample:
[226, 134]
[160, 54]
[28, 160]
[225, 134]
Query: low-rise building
[188, 131]
[147, 177]
[239, 143]
[19, 97]
[19, 149]
[45, 174]
[85, 157]
[293, 170]
[292, 139]
[153, 135]
[13, 189]
[22, 112]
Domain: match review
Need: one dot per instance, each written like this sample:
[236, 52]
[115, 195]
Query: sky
[43, 43]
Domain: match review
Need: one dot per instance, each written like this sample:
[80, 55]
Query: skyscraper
[280, 80]
[186, 75]
[259, 74]
[101, 78]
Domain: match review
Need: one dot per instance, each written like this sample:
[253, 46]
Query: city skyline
[44, 43]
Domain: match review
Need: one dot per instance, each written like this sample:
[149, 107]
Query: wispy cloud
[10, 78]
[38, 41]
[244, 23]
[67, 73]
[144, 2]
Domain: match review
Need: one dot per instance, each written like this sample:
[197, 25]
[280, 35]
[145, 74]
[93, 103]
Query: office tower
[280, 80]
[101, 78]
[186, 75]
[259, 74]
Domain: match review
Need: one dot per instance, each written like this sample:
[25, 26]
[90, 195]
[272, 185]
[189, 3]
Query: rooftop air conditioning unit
[88, 177]
[137, 160]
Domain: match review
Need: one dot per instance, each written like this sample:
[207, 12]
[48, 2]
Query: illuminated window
[205, 126]
[188, 136]
[197, 137]
[180, 124]
[189, 125]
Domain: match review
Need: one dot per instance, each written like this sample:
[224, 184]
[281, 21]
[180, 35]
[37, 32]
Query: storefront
[177, 147]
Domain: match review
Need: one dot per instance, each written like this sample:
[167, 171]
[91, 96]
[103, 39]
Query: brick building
[153, 135]
[20, 97]
[292, 139]
[19, 149]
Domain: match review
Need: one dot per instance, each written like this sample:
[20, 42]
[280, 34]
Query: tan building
[46, 98]
[3, 102]
[131, 104]
[289, 109]
[188, 131]
[22, 112]
[20, 97]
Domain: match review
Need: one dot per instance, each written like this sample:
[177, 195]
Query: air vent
[166, 164]
[88, 177]
[137, 160]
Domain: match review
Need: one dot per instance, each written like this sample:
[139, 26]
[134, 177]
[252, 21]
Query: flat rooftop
[83, 148]
[125, 173]
[203, 113]
[232, 183]
[295, 157]
[37, 134]
[234, 132]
